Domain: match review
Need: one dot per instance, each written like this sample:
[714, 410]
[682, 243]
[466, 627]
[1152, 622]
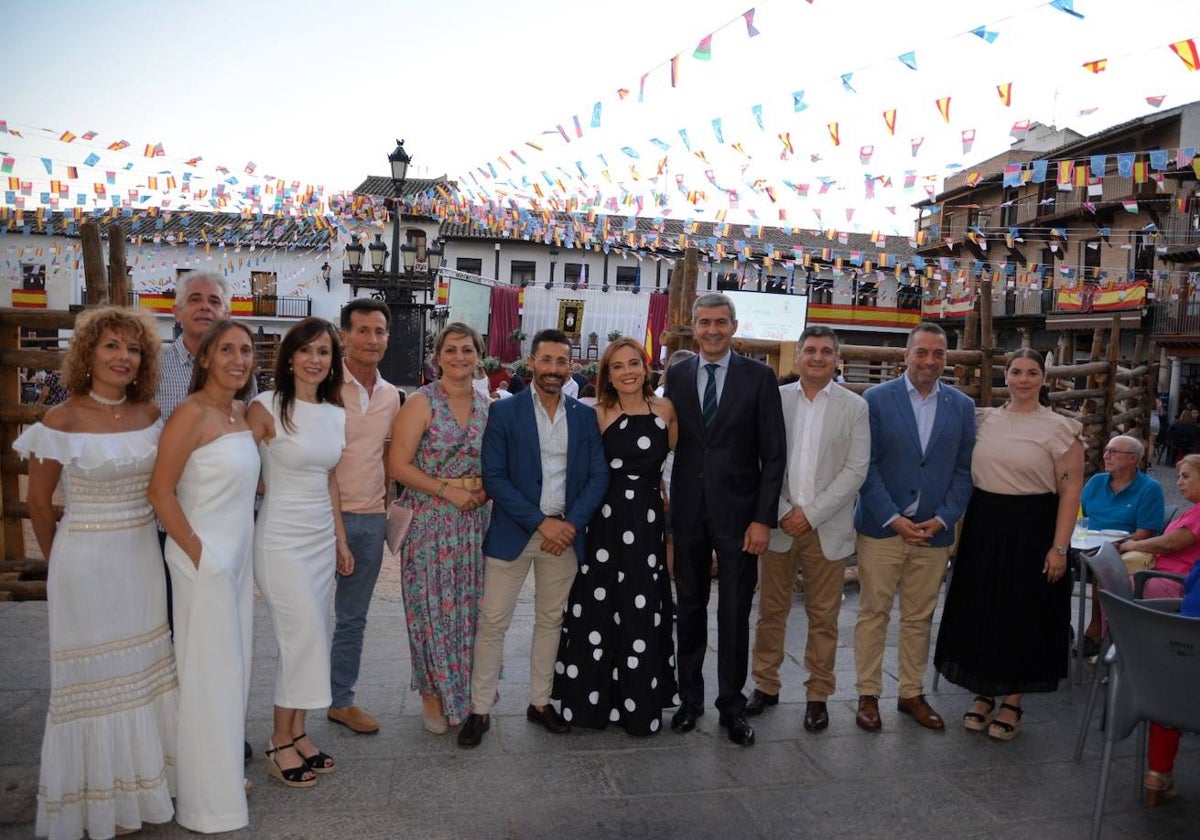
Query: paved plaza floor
[902, 782]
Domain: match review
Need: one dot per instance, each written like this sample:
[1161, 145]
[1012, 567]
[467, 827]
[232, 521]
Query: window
[626, 276]
[523, 272]
[469, 265]
[1089, 257]
[33, 277]
[572, 273]
[1008, 212]
[728, 282]
[262, 283]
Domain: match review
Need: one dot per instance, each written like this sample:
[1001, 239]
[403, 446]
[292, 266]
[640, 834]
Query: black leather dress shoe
[472, 731]
[759, 700]
[816, 715]
[740, 732]
[549, 718]
[684, 720]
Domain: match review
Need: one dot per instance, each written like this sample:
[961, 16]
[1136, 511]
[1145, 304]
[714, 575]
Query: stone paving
[903, 782]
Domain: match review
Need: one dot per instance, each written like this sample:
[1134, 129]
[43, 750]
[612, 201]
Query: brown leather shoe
[354, 719]
[868, 713]
[920, 711]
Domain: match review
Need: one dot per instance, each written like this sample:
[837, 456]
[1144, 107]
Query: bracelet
[442, 488]
[191, 536]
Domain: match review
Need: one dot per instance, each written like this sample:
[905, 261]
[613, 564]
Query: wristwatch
[1061, 549]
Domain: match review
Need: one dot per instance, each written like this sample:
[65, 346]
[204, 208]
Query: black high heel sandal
[319, 763]
[1002, 731]
[976, 721]
[293, 776]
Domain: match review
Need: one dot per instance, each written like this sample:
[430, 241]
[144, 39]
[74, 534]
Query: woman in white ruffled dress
[203, 491]
[109, 745]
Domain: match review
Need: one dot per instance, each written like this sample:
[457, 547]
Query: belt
[467, 482]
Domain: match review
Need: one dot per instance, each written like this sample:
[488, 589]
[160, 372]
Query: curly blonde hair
[134, 325]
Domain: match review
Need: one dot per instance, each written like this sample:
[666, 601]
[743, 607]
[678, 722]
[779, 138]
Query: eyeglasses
[1116, 452]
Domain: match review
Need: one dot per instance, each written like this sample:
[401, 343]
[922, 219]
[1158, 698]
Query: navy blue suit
[512, 473]
[724, 478]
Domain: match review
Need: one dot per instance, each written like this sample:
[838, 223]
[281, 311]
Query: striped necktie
[709, 406]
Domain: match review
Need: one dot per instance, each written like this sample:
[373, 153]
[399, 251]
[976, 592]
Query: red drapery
[506, 317]
[656, 322]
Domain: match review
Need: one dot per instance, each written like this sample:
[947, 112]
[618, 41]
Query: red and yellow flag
[1097, 66]
[833, 134]
[1186, 50]
[943, 106]
[1005, 91]
[889, 119]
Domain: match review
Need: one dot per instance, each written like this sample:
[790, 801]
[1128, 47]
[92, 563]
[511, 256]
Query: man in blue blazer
[544, 469]
[918, 485]
[729, 465]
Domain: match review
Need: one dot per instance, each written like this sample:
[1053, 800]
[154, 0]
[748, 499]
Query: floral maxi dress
[441, 562]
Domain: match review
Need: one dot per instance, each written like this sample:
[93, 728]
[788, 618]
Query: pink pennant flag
[864, 154]
[968, 139]
[916, 145]
[1020, 129]
[1155, 101]
[750, 30]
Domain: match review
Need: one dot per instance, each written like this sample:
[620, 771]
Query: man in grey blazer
[828, 449]
[918, 485]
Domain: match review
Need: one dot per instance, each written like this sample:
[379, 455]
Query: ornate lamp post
[398, 284]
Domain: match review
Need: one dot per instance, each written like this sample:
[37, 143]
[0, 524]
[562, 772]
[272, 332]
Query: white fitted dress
[295, 546]
[109, 742]
[214, 616]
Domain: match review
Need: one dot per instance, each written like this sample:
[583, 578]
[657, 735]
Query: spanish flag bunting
[1097, 66]
[1066, 169]
[1186, 50]
[1005, 91]
[674, 71]
[786, 139]
[889, 119]
[66, 137]
[833, 134]
[943, 106]
[72, 172]
[622, 93]
[1081, 174]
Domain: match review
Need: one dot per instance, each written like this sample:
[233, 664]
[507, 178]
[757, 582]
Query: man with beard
[544, 469]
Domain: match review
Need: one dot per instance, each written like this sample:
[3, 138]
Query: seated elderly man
[1125, 499]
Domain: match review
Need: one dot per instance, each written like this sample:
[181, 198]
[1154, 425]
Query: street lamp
[553, 262]
[325, 275]
[396, 275]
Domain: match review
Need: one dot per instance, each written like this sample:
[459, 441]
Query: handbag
[399, 520]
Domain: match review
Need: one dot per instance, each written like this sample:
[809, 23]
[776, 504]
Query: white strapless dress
[214, 611]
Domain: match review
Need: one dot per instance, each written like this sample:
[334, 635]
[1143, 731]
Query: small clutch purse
[399, 520]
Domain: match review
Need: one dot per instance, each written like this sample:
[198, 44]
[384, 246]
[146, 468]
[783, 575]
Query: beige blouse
[1015, 452]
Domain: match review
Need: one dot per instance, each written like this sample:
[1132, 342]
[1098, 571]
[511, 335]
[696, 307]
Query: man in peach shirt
[371, 404]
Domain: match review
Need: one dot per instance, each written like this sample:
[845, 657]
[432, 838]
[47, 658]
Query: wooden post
[118, 274]
[93, 265]
[679, 306]
[1110, 387]
[966, 372]
[986, 343]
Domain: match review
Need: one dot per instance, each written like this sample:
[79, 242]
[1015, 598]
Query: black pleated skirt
[1005, 629]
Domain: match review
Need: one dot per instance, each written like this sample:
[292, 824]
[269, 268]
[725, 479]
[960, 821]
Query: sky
[319, 93]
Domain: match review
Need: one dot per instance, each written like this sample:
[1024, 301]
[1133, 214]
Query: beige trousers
[886, 567]
[823, 583]
[502, 582]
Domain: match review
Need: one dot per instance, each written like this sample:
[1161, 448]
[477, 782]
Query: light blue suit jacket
[900, 472]
[512, 473]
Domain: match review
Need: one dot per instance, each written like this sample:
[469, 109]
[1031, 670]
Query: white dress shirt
[804, 447]
[552, 440]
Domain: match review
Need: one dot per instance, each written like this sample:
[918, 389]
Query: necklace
[226, 411]
[115, 405]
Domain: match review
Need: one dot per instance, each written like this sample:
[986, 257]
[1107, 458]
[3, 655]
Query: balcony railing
[244, 306]
[1176, 317]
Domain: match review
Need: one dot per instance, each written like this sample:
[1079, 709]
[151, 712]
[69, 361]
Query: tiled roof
[671, 229]
[384, 187]
[190, 226]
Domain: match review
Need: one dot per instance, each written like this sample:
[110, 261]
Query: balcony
[245, 306]
[1176, 317]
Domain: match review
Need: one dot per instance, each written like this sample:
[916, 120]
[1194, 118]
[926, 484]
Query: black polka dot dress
[616, 657]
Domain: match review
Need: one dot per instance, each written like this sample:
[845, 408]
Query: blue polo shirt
[1140, 505]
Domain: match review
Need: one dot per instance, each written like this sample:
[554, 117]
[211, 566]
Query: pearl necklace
[113, 404]
[228, 411]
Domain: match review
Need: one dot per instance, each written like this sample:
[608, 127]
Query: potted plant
[521, 368]
[590, 370]
[516, 335]
[614, 335]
